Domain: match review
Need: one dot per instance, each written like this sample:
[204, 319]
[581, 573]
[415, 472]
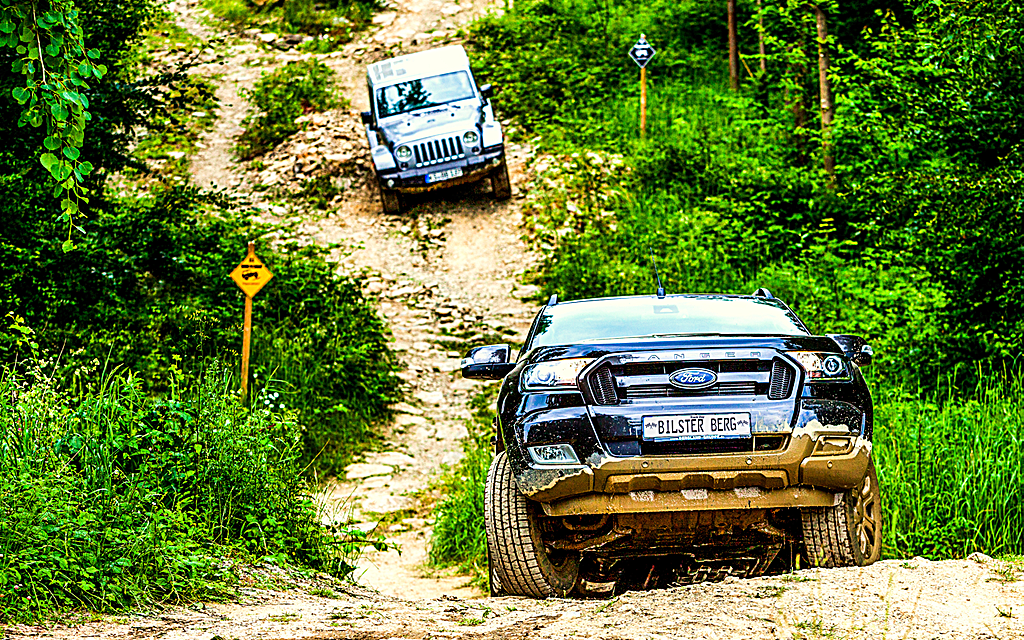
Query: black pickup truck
[703, 433]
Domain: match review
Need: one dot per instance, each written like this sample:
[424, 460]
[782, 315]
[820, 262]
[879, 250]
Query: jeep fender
[491, 134]
[382, 158]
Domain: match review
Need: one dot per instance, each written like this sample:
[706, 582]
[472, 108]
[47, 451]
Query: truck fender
[491, 134]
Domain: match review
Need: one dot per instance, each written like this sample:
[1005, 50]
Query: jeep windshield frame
[649, 318]
[424, 93]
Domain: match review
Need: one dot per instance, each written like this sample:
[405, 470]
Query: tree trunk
[760, 37]
[828, 108]
[734, 56]
[795, 100]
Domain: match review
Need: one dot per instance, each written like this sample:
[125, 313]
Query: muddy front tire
[500, 183]
[521, 564]
[390, 200]
[850, 533]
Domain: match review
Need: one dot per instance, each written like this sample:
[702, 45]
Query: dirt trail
[442, 264]
[451, 266]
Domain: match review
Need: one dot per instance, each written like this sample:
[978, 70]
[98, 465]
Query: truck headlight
[470, 137]
[403, 153]
[822, 367]
[557, 374]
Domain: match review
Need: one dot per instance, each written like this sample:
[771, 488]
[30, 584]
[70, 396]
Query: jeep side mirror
[855, 348]
[367, 117]
[487, 91]
[488, 363]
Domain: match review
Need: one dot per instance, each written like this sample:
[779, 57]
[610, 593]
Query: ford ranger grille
[437, 151]
[613, 384]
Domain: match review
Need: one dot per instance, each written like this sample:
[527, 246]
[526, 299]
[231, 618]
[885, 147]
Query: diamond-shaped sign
[251, 275]
[642, 52]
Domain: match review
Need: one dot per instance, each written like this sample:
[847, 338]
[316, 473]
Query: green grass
[279, 98]
[951, 470]
[458, 538]
[111, 499]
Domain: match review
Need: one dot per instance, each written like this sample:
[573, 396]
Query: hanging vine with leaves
[50, 53]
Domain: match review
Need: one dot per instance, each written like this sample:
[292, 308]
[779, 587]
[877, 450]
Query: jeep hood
[455, 117]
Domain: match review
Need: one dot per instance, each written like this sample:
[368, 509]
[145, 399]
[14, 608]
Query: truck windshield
[423, 93]
[646, 318]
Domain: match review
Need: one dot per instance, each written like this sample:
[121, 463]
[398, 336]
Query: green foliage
[459, 539]
[279, 98]
[149, 284]
[331, 22]
[112, 499]
[951, 470]
[51, 56]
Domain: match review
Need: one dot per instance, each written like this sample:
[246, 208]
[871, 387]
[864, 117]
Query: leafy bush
[112, 499]
[149, 284]
[278, 98]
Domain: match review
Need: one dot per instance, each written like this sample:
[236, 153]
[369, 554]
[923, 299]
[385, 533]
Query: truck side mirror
[488, 363]
[855, 348]
[487, 91]
[367, 117]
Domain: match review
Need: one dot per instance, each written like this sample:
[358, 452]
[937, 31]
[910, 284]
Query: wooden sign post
[641, 53]
[250, 276]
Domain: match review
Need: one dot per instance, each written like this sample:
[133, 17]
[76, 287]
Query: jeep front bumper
[414, 180]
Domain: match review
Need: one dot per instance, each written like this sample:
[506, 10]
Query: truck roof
[417, 65]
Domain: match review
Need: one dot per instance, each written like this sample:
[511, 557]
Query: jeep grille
[438, 150]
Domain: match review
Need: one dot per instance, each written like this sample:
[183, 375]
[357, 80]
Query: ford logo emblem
[693, 378]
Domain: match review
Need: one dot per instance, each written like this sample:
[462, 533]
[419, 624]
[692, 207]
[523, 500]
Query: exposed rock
[364, 470]
[405, 407]
[405, 420]
[429, 397]
[387, 504]
[391, 458]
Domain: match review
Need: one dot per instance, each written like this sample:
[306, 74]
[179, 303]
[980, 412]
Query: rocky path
[443, 274]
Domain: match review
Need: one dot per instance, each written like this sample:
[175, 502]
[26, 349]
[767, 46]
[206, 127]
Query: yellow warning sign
[251, 275]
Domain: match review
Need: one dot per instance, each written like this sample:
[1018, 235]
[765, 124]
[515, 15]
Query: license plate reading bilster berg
[697, 426]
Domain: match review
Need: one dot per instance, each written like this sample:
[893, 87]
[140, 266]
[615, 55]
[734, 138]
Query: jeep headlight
[557, 374]
[403, 153]
[822, 367]
[470, 137]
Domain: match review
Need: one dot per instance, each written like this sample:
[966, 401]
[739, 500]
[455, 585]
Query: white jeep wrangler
[430, 126]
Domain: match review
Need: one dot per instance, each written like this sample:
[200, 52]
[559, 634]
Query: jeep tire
[500, 183]
[390, 200]
[521, 564]
[850, 533]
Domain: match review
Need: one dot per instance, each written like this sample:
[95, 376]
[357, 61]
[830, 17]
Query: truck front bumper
[823, 455]
[473, 169]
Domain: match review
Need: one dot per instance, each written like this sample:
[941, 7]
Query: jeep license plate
[697, 426]
[441, 176]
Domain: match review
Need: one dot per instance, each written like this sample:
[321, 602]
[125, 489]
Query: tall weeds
[112, 499]
[951, 470]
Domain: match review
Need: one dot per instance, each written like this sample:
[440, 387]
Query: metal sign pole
[643, 102]
[246, 333]
[250, 276]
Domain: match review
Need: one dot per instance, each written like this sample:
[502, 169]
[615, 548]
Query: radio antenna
[657, 276]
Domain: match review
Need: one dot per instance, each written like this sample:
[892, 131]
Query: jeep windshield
[424, 93]
[640, 318]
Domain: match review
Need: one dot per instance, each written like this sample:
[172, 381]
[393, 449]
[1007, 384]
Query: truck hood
[455, 117]
[634, 345]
